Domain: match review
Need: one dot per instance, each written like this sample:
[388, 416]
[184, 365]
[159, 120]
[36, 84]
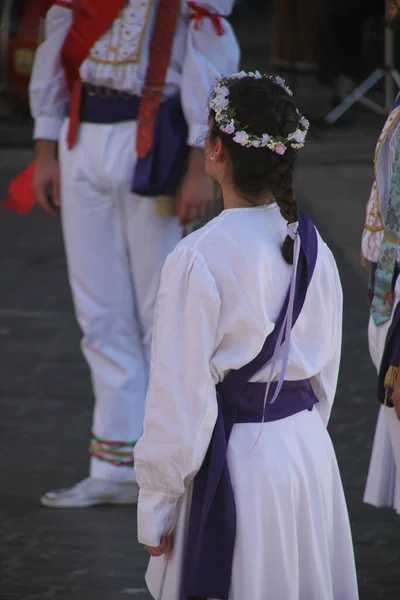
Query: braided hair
[262, 106]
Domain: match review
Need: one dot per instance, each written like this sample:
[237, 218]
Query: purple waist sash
[160, 173]
[212, 522]
[294, 397]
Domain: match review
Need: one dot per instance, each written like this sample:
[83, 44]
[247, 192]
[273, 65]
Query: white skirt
[383, 481]
[293, 537]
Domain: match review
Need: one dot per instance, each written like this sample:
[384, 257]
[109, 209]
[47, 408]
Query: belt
[106, 105]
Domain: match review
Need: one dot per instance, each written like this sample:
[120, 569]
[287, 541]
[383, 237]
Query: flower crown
[225, 117]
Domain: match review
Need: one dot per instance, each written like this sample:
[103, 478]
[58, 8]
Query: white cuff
[47, 128]
[157, 514]
[196, 135]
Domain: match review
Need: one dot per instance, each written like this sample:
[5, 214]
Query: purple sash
[391, 353]
[160, 173]
[390, 358]
[212, 522]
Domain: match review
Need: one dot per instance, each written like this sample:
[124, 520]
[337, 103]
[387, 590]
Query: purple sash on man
[212, 523]
[161, 171]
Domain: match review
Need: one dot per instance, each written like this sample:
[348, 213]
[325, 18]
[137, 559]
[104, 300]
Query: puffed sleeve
[207, 55]
[49, 95]
[325, 382]
[181, 406]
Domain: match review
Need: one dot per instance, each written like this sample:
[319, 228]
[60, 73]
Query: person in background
[239, 484]
[119, 93]
[380, 247]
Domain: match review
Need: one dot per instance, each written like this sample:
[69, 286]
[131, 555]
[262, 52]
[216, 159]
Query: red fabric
[160, 53]
[74, 114]
[46, 5]
[92, 18]
[63, 4]
[199, 13]
[22, 197]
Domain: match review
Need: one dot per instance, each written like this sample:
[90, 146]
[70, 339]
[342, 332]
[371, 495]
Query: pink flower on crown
[280, 148]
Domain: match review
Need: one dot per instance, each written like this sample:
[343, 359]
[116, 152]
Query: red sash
[92, 18]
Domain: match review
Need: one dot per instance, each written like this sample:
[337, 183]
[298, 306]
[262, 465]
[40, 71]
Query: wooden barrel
[297, 26]
[20, 35]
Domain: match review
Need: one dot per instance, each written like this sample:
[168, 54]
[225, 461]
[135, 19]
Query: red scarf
[91, 19]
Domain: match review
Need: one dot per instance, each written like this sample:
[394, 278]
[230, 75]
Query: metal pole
[389, 64]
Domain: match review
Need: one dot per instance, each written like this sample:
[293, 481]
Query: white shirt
[119, 60]
[378, 203]
[221, 292]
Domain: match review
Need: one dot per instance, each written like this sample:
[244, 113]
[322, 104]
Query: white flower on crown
[298, 136]
[242, 138]
[240, 75]
[219, 102]
[225, 117]
[223, 91]
[265, 138]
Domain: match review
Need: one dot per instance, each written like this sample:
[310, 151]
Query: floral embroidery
[122, 43]
[382, 303]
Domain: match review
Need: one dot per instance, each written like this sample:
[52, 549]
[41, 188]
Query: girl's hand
[165, 547]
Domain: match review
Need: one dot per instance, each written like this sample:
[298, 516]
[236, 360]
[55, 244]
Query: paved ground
[46, 398]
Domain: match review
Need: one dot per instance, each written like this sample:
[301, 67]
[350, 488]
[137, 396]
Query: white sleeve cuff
[47, 128]
[196, 135]
[157, 514]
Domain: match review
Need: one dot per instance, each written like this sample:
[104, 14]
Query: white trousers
[116, 246]
[383, 482]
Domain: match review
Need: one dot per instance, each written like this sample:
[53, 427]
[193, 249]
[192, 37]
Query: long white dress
[383, 482]
[221, 292]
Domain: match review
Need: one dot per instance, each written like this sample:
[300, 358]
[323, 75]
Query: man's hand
[165, 546]
[46, 177]
[196, 193]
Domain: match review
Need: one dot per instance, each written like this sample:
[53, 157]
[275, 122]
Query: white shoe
[92, 492]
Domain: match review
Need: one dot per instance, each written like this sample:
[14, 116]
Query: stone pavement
[46, 398]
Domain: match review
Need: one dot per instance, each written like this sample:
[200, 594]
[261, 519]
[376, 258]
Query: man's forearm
[46, 149]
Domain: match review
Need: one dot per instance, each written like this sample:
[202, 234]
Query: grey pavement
[46, 400]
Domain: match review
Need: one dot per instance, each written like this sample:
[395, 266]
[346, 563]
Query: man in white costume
[380, 246]
[119, 93]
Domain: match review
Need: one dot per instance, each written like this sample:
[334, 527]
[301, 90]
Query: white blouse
[221, 292]
[119, 60]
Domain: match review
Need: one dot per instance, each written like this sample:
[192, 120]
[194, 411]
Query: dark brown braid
[262, 106]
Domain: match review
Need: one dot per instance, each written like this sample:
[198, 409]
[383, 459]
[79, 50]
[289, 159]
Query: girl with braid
[240, 493]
